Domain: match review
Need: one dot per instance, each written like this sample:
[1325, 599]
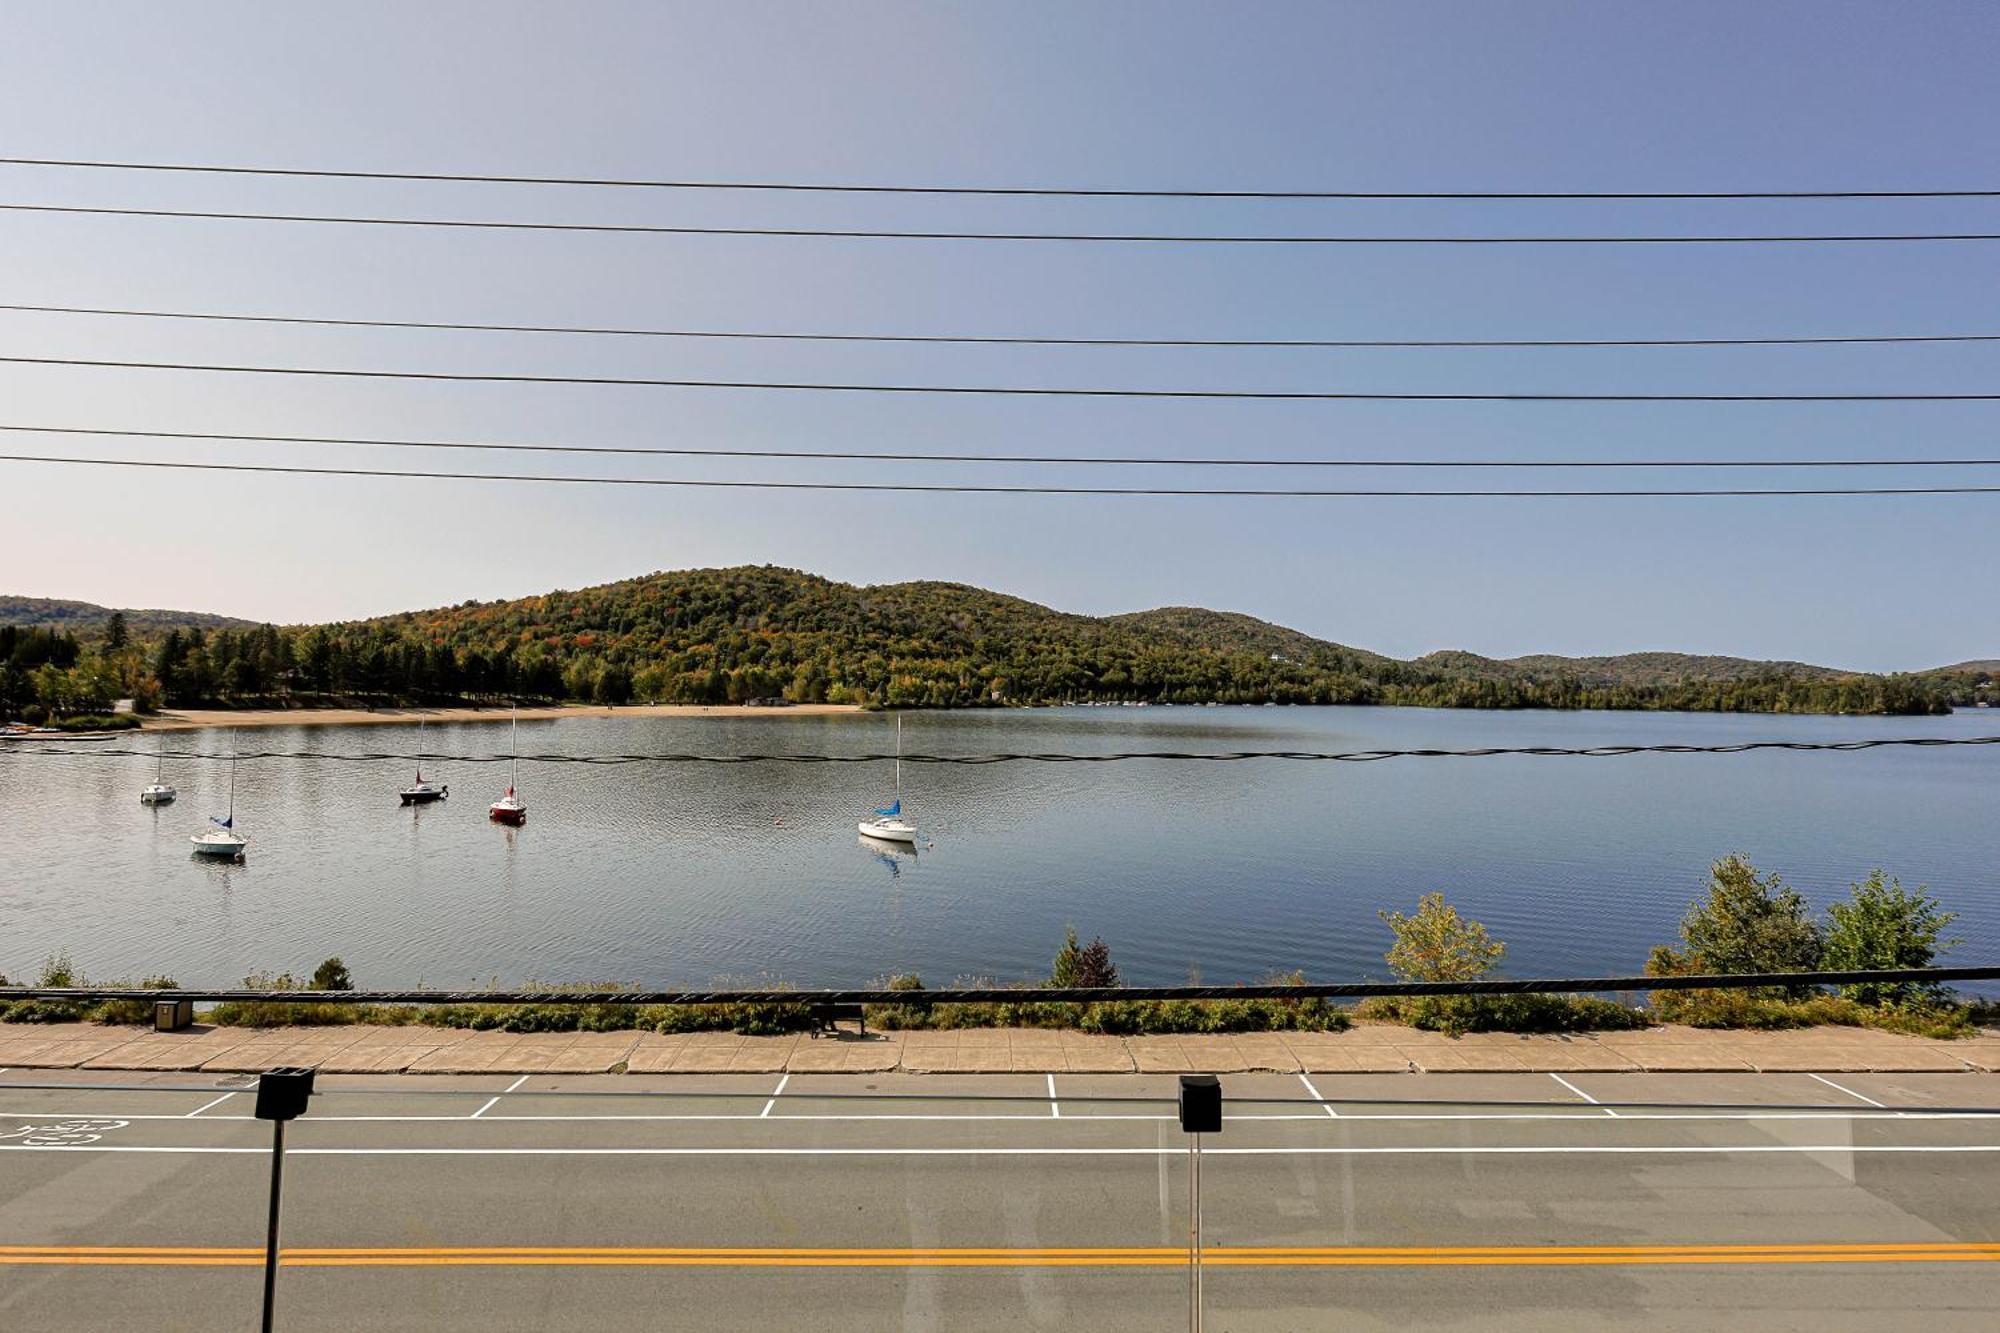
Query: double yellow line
[1307, 1256]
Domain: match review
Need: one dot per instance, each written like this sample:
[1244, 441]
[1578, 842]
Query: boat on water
[223, 842]
[511, 809]
[888, 823]
[159, 793]
[421, 792]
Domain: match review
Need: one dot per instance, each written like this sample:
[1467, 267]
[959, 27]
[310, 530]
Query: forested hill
[88, 618]
[732, 635]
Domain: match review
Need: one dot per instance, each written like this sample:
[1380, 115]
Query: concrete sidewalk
[1367, 1048]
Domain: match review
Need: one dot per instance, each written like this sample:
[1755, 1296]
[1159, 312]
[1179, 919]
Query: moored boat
[223, 842]
[511, 809]
[888, 823]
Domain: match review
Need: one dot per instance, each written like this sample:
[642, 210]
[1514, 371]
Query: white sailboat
[423, 793]
[511, 809]
[223, 841]
[159, 793]
[888, 825]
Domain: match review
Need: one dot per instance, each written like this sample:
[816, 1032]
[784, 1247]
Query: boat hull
[221, 846]
[888, 830]
[157, 796]
[424, 795]
[508, 814]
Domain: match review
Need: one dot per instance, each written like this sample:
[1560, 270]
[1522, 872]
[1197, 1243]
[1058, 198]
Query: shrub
[1083, 968]
[1747, 923]
[1437, 944]
[132, 1011]
[1506, 1013]
[331, 975]
[1883, 925]
[278, 1013]
[57, 972]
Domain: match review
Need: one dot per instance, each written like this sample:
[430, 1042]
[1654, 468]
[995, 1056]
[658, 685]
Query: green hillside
[87, 619]
[732, 635]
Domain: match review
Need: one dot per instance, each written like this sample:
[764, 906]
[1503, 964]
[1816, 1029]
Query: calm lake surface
[671, 875]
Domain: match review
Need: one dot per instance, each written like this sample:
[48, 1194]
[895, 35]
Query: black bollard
[281, 1096]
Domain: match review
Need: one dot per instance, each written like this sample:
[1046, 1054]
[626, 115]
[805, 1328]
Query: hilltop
[710, 636]
[88, 618]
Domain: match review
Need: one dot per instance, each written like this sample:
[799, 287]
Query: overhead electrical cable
[971, 489]
[1065, 192]
[1110, 460]
[802, 386]
[885, 234]
[1006, 340]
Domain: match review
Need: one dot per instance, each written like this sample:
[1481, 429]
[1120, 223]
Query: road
[879, 1202]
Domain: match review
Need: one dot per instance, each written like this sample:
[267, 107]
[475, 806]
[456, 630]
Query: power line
[849, 233]
[956, 489]
[1066, 192]
[93, 751]
[1005, 341]
[1037, 459]
[1300, 395]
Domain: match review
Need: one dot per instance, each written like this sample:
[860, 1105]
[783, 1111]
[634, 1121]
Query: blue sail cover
[223, 823]
[893, 810]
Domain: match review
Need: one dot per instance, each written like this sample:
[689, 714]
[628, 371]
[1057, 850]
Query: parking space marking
[1298, 1150]
[206, 1105]
[1316, 1097]
[1849, 1091]
[1055, 1107]
[776, 1093]
[496, 1099]
[1581, 1093]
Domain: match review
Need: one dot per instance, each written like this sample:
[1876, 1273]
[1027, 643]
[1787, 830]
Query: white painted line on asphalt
[776, 1093]
[205, 1105]
[1581, 1093]
[1849, 1091]
[1309, 1150]
[1831, 1113]
[496, 1100]
[1315, 1096]
[1055, 1107]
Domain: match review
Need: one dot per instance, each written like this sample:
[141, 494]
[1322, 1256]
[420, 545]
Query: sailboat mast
[232, 779]
[514, 744]
[899, 758]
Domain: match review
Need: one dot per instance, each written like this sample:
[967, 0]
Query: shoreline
[198, 719]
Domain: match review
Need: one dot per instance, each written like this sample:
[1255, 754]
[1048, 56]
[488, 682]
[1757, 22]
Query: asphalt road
[884, 1202]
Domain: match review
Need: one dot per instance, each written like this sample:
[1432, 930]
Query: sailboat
[511, 809]
[159, 793]
[223, 841]
[423, 793]
[888, 823]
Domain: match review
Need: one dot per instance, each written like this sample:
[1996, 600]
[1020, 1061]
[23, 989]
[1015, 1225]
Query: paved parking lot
[1002, 1201]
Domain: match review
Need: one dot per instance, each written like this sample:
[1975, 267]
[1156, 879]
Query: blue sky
[1596, 96]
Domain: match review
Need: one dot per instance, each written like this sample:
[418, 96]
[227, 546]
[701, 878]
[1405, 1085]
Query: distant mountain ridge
[765, 633]
[86, 618]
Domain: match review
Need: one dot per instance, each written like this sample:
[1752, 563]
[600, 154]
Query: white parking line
[1315, 1096]
[1849, 1091]
[496, 1099]
[205, 1105]
[1581, 1093]
[776, 1093]
[1306, 1150]
[1831, 1113]
[1055, 1107]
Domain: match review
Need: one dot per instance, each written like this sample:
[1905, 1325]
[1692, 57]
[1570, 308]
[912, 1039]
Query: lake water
[672, 875]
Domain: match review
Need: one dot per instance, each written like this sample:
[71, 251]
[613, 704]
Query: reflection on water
[670, 874]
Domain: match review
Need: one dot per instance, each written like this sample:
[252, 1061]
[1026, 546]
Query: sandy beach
[191, 719]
